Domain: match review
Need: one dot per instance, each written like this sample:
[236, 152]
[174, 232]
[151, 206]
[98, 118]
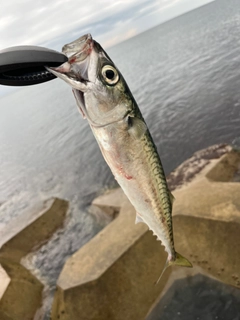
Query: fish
[105, 100]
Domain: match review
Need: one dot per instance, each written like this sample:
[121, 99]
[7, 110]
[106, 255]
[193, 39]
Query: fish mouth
[76, 70]
[80, 48]
[80, 71]
[78, 53]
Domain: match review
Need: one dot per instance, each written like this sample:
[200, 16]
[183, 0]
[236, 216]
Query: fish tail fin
[179, 261]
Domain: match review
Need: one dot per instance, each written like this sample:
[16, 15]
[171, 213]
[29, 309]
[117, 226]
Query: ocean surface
[185, 76]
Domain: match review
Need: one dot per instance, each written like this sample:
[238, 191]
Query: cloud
[54, 23]
[38, 21]
[114, 39]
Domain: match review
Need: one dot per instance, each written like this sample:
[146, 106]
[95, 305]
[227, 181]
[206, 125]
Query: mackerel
[104, 99]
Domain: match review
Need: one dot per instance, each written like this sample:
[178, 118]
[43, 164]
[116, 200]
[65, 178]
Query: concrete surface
[113, 276]
[4, 281]
[20, 291]
[23, 295]
[198, 297]
[26, 233]
[107, 273]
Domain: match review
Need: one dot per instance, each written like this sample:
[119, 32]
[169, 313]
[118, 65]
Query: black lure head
[25, 65]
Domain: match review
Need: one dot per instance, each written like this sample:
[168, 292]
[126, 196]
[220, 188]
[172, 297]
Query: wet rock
[194, 166]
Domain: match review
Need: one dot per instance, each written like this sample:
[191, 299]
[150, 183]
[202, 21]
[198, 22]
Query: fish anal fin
[137, 127]
[138, 219]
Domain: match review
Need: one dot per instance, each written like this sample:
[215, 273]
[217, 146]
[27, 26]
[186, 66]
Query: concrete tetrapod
[113, 276]
[23, 294]
[4, 281]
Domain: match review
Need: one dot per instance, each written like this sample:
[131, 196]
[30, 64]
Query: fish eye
[110, 75]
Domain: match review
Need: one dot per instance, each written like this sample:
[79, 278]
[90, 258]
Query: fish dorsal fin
[137, 127]
[138, 219]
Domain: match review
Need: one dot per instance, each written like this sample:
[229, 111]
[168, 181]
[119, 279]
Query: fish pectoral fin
[138, 219]
[179, 261]
[137, 127]
[79, 100]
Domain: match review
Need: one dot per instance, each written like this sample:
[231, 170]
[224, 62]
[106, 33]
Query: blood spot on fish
[89, 50]
[72, 60]
[163, 219]
[90, 47]
[124, 174]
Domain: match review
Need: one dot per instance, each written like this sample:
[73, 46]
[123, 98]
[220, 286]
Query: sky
[52, 23]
